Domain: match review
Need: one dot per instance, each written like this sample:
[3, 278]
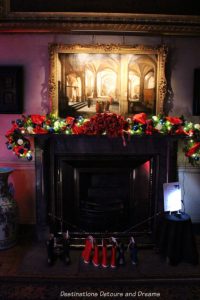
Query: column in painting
[123, 102]
[8, 212]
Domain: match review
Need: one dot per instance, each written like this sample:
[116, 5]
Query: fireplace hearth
[95, 185]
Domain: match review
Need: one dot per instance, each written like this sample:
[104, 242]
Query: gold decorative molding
[162, 83]
[89, 22]
[100, 28]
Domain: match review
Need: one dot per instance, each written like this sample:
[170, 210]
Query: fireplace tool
[58, 244]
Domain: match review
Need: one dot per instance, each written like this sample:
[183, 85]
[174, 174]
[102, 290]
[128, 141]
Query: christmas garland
[109, 124]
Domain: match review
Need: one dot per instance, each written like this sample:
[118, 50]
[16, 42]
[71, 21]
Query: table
[176, 240]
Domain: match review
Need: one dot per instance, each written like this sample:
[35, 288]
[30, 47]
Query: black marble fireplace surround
[96, 185]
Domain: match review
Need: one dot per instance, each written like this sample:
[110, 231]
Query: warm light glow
[106, 83]
[82, 57]
[172, 196]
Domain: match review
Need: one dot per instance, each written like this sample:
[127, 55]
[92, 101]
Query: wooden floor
[11, 259]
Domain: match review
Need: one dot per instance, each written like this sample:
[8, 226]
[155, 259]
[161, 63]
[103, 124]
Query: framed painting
[87, 79]
[64, 16]
[11, 89]
[37, 7]
[196, 93]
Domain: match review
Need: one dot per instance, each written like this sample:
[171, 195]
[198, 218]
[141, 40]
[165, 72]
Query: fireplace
[95, 185]
[102, 193]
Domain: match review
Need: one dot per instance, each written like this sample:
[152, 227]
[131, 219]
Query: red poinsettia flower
[77, 129]
[48, 122]
[19, 150]
[88, 128]
[10, 132]
[174, 120]
[70, 120]
[38, 119]
[181, 131]
[39, 130]
[140, 118]
[10, 139]
[149, 130]
[126, 125]
[193, 149]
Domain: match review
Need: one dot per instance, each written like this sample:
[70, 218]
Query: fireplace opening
[103, 193]
[104, 199]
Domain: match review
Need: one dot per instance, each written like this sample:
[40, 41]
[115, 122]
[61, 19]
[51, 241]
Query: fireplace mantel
[48, 147]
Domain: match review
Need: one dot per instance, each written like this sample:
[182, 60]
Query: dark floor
[31, 260]
[150, 266]
[24, 274]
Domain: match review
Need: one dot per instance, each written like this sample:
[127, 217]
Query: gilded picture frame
[87, 79]
[144, 17]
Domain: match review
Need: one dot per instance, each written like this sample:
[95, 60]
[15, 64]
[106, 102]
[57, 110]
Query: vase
[8, 212]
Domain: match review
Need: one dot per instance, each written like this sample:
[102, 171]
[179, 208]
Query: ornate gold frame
[160, 52]
[100, 22]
